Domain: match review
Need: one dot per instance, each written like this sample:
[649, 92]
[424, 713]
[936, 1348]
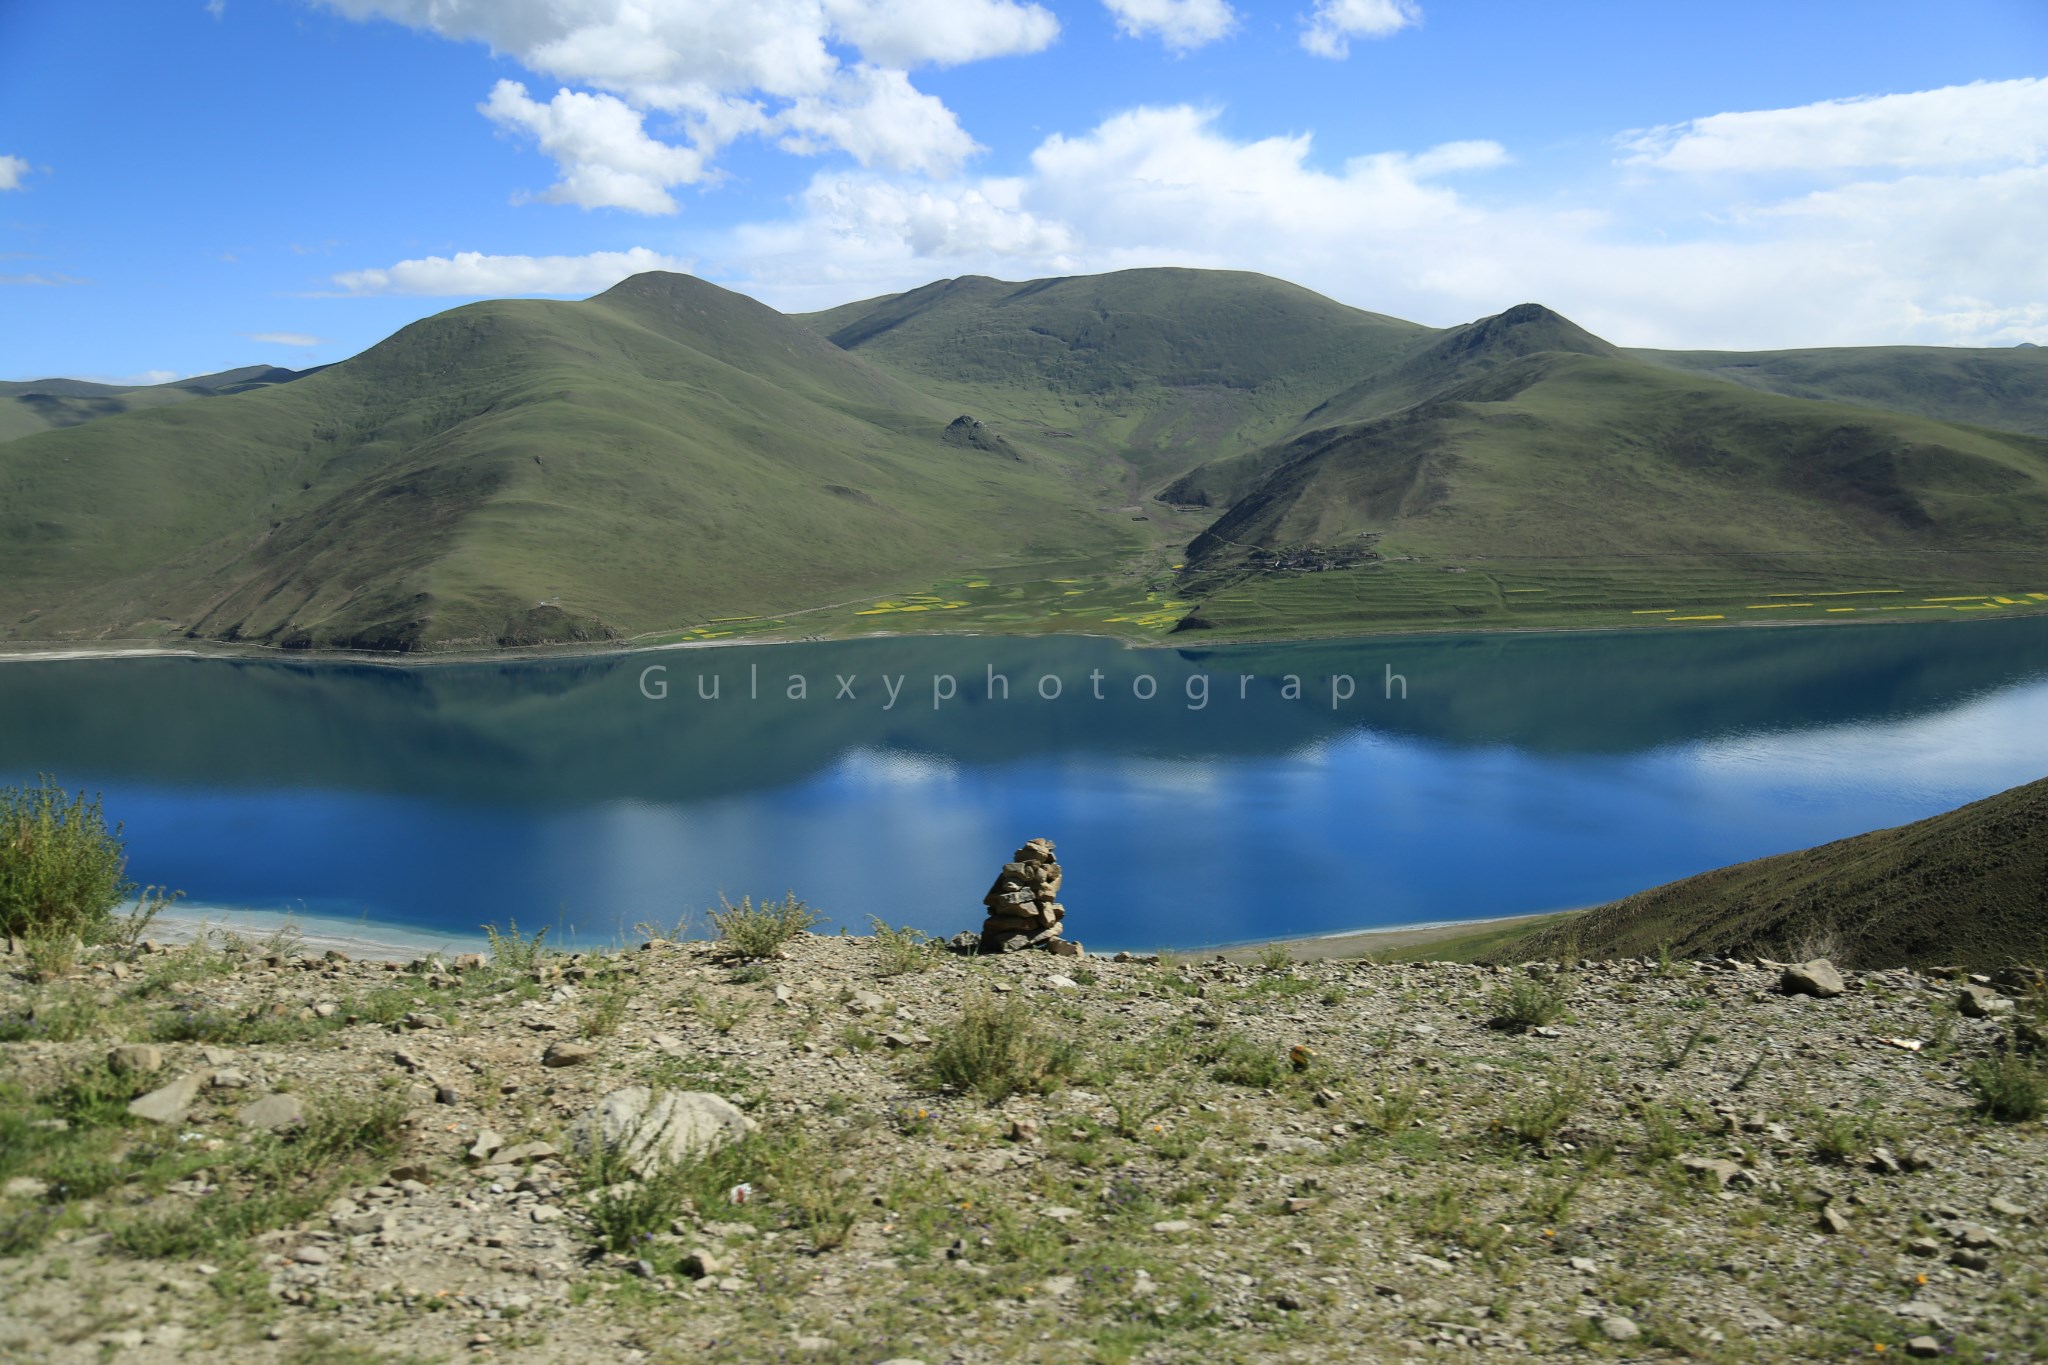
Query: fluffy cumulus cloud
[605, 155]
[1330, 29]
[1920, 250]
[1989, 121]
[1182, 25]
[12, 169]
[718, 70]
[471, 274]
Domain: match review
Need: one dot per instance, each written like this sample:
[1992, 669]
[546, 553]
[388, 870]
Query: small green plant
[1274, 958]
[654, 931]
[512, 952]
[1528, 1002]
[603, 1010]
[1663, 1139]
[2008, 1088]
[62, 870]
[902, 950]
[997, 1049]
[1392, 1105]
[1238, 1060]
[1665, 966]
[1541, 1115]
[750, 931]
[52, 954]
[723, 1012]
[1672, 1056]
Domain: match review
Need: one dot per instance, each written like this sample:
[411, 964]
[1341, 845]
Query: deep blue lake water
[1519, 773]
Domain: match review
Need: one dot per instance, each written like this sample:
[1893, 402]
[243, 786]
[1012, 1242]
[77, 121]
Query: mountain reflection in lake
[1197, 795]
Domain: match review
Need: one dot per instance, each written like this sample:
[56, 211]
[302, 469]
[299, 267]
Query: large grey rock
[566, 1053]
[136, 1059]
[1981, 1002]
[654, 1129]
[168, 1103]
[273, 1111]
[1816, 978]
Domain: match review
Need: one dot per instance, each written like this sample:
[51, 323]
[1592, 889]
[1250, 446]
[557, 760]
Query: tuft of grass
[1537, 1117]
[1529, 1002]
[1274, 958]
[1238, 1060]
[604, 1010]
[998, 1049]
[902, 950]
[512, 952]
[750, 931]
[2008, 1088]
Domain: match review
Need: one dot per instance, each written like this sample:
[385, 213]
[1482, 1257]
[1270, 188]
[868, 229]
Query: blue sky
[187, 186]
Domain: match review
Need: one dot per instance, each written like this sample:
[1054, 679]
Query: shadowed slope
[1969, 887]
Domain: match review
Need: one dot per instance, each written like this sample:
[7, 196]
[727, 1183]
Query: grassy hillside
[30, 406]
[1155, 370]
[509, 472]
[1131, 453]
[2005, 388]
[1969, 887]
[1544, 465]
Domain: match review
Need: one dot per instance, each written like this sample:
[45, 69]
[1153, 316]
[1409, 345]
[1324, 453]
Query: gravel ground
[350, 1161]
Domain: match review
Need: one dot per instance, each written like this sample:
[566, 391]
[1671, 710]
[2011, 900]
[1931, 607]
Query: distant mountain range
[1218, 450]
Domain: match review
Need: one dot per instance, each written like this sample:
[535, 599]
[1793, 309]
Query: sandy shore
[314, 934]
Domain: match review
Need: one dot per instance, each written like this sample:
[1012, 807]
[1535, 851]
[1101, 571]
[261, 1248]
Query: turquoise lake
[1519, 773]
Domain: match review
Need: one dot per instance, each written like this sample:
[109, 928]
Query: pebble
[1619, 1329]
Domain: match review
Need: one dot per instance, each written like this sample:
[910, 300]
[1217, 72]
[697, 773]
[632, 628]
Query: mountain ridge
[670, 458]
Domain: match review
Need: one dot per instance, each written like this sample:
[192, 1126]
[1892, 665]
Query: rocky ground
[258, 1155]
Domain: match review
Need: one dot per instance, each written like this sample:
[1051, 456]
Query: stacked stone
[1023, 906]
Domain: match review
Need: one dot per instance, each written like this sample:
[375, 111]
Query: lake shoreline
[373, 941]
[249, 653]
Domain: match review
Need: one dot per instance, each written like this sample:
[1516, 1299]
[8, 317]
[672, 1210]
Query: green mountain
[30, 406]
[1997, 388]
[1968, 888]
[517, 472]
[1130, 453]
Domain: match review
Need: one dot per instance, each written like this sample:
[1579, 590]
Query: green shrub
[2008, 1088]
[1528, 1002]
[903, 950]
[1540, 1115]
[1238, 1060]
[755, 931]
[510, 951]
[62, 871]
[995, 1050]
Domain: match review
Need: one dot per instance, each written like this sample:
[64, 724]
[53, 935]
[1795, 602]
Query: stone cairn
[1023, 906]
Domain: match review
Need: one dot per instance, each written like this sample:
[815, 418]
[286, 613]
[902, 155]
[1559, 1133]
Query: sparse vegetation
[1528, 1002]
[997, 1048]
[2008, 1087]
[902, 950]
[750, 931]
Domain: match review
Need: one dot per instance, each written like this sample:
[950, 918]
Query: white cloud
[606, 158]
[1335, 23]
[729, 69]
[217, 8]
[12, 169]
[908, 33]
[1182, 25]
[877, 117]
[472, 274]
[1942, 258]
[298, 340]
[1958, 125]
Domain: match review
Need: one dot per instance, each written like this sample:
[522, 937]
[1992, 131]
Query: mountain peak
[1525, 329]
